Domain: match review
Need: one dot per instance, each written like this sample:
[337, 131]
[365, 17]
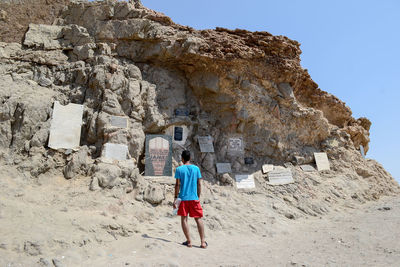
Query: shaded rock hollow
[118, 58]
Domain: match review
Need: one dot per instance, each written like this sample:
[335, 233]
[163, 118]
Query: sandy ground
[366, 236]
[55, 222]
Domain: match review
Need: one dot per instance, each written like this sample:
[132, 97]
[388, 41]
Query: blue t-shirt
[188, 175]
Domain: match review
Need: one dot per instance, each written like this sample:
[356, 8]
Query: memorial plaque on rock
[362, 151]
[115, 151]
[224, 168]
[235, 145]
[66, 123]
[181, 112]
[245, 181]
[267, 168]
[249, 161]
[120, 122]
[321, 159]
[280, 177]
[206, 144]
[178, 133]
[158, 155]
[307, 168]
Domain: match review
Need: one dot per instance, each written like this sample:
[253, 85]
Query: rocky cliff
[120, 58]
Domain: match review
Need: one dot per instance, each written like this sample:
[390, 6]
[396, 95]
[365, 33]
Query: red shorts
[191, 207]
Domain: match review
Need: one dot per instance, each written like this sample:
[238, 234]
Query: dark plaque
[158, 155]
[248, 161]
[178, 133]
[183, 112]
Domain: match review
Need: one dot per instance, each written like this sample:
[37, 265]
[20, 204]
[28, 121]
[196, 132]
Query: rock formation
[122, 59]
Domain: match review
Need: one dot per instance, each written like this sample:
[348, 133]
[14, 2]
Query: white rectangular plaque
[280, 177]
[224, 168]
[206, 144]
[115, 151]
[120, 122]
[267, 168]
[307, 168]
[245, 181]
[322, 161]
[66, 123]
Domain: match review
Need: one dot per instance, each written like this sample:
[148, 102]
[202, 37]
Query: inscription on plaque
[178, 133]
[245, 181]
[280, 177]
[249, 161]
[158, 155]
[321, 159]
[181, 112]
[267, 168]
[224, 168]
[307, 168]
[235, 145]
[206, 144]
[66, 123]
[115, 151]
[120, 122]
[362, 151]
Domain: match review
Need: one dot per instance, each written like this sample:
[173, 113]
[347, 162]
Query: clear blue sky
[351, 49]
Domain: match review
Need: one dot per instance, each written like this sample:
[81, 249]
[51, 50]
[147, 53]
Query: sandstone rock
[80, 163]
[106, 174]
[43, 36]
[118, 59]
[154, 194]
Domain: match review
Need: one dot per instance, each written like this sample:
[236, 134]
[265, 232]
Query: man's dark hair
[186, 155]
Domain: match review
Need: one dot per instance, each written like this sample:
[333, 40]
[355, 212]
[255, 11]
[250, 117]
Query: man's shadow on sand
[164, 240]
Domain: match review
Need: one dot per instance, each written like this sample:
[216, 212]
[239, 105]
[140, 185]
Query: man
[188, 185]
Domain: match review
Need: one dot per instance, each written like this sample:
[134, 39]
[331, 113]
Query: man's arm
[198, 187]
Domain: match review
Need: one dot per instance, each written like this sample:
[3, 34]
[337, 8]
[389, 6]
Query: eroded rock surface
[122, 59]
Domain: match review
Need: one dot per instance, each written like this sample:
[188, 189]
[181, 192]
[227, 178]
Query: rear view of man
[188, 186]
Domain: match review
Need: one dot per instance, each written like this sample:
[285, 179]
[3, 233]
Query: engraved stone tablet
[249, 161]
[307, 168]
[115, 151]
[178, 133]
[280, 177]
[183, 112]
[66, 123]
[158, 155]
[322, 161]
[362, 151]
[245, 181]
[235, 145]
[206, 144]
[224, 168]
[120, 122]
[267, 168]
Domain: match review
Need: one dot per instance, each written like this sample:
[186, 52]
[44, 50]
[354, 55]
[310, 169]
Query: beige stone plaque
[280, 177]
[267, 168]
[206, 144]
[115, 151]
[321, 159]
[119, 122]
[66, 123]
[224, 168]
[245, 181]
[307, 168]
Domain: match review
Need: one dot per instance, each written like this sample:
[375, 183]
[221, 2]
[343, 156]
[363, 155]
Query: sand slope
[55, 219]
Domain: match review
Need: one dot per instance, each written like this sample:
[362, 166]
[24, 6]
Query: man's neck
[186, 163]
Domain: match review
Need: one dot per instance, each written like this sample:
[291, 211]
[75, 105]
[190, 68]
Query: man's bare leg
[185, 228]
[200, 227]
